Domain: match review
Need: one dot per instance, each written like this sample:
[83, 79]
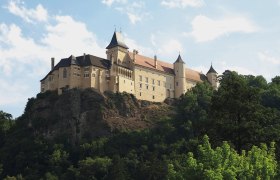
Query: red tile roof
[165, 67]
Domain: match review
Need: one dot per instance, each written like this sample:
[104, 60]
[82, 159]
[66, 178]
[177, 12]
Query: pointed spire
[117, 40]
[179, 59]
[211, 70]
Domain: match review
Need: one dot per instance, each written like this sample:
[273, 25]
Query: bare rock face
[83, 114]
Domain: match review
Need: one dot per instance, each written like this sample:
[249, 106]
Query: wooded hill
[229, 133]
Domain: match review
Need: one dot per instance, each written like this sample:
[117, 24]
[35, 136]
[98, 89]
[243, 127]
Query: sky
[239, 35]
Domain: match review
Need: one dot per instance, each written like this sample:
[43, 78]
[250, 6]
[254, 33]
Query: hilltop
[85, 113]
[204, 134]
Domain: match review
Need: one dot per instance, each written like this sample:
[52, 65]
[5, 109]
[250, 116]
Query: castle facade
[123, 71]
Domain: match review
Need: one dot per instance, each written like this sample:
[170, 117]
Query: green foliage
[241, 115]
[50, 176]
[94, 168]
[6, 122]
[225, 163]
[238, 114]
[193, 109]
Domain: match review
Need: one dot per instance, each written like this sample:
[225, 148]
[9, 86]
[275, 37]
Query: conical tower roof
[117, 40]
[179, 60]
[211, 70]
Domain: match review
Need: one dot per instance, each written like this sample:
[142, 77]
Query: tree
[237, 114]
[6, 123]
[97, 168]
[271, 97]
[225, 163]
[194, 107]
[58, 160]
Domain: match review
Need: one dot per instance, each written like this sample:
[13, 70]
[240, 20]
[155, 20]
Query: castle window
[140, 94]
[140, 85]
[153, 81]
[107, 73]
[131, 83]
[86, 75]
[158, 82]
[64, 73]
[140, 78]
[147, 79]
[86, 68]
[154, 88]
[147, 87]
[153, 97]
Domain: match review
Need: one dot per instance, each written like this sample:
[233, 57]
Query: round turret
[212, 77]
[180, 77]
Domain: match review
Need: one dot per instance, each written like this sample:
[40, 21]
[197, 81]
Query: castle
[123, 71]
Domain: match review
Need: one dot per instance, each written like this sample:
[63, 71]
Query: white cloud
[153, 40]
[68, 36]
[267, 58]
[135, 11]
[24, 60]
[182, 3]
[62, 39]
[39, 14]
[206, 29]
[132, 44]
[133, 17]
[165, 46]
[16, 89]
[171, 46]
[110, 2]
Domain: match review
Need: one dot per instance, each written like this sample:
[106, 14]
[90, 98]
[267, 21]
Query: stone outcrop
[83, 114]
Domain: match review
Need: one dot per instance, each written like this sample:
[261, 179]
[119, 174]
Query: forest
[229, 133]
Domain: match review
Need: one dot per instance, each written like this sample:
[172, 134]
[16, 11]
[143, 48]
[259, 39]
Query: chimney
[155, 62]
[52, 63]
[134, 55]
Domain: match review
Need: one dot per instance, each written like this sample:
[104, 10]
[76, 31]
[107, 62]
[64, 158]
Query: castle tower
[212, 77]
[117, 49]
[180, 77]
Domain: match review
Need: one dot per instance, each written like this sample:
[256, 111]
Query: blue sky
[238, 35]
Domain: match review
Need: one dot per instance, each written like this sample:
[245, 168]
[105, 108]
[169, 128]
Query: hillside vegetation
[229, 133]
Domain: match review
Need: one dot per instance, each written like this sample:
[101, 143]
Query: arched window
[64, 73]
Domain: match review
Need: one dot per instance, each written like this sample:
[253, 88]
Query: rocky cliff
[82, 114]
